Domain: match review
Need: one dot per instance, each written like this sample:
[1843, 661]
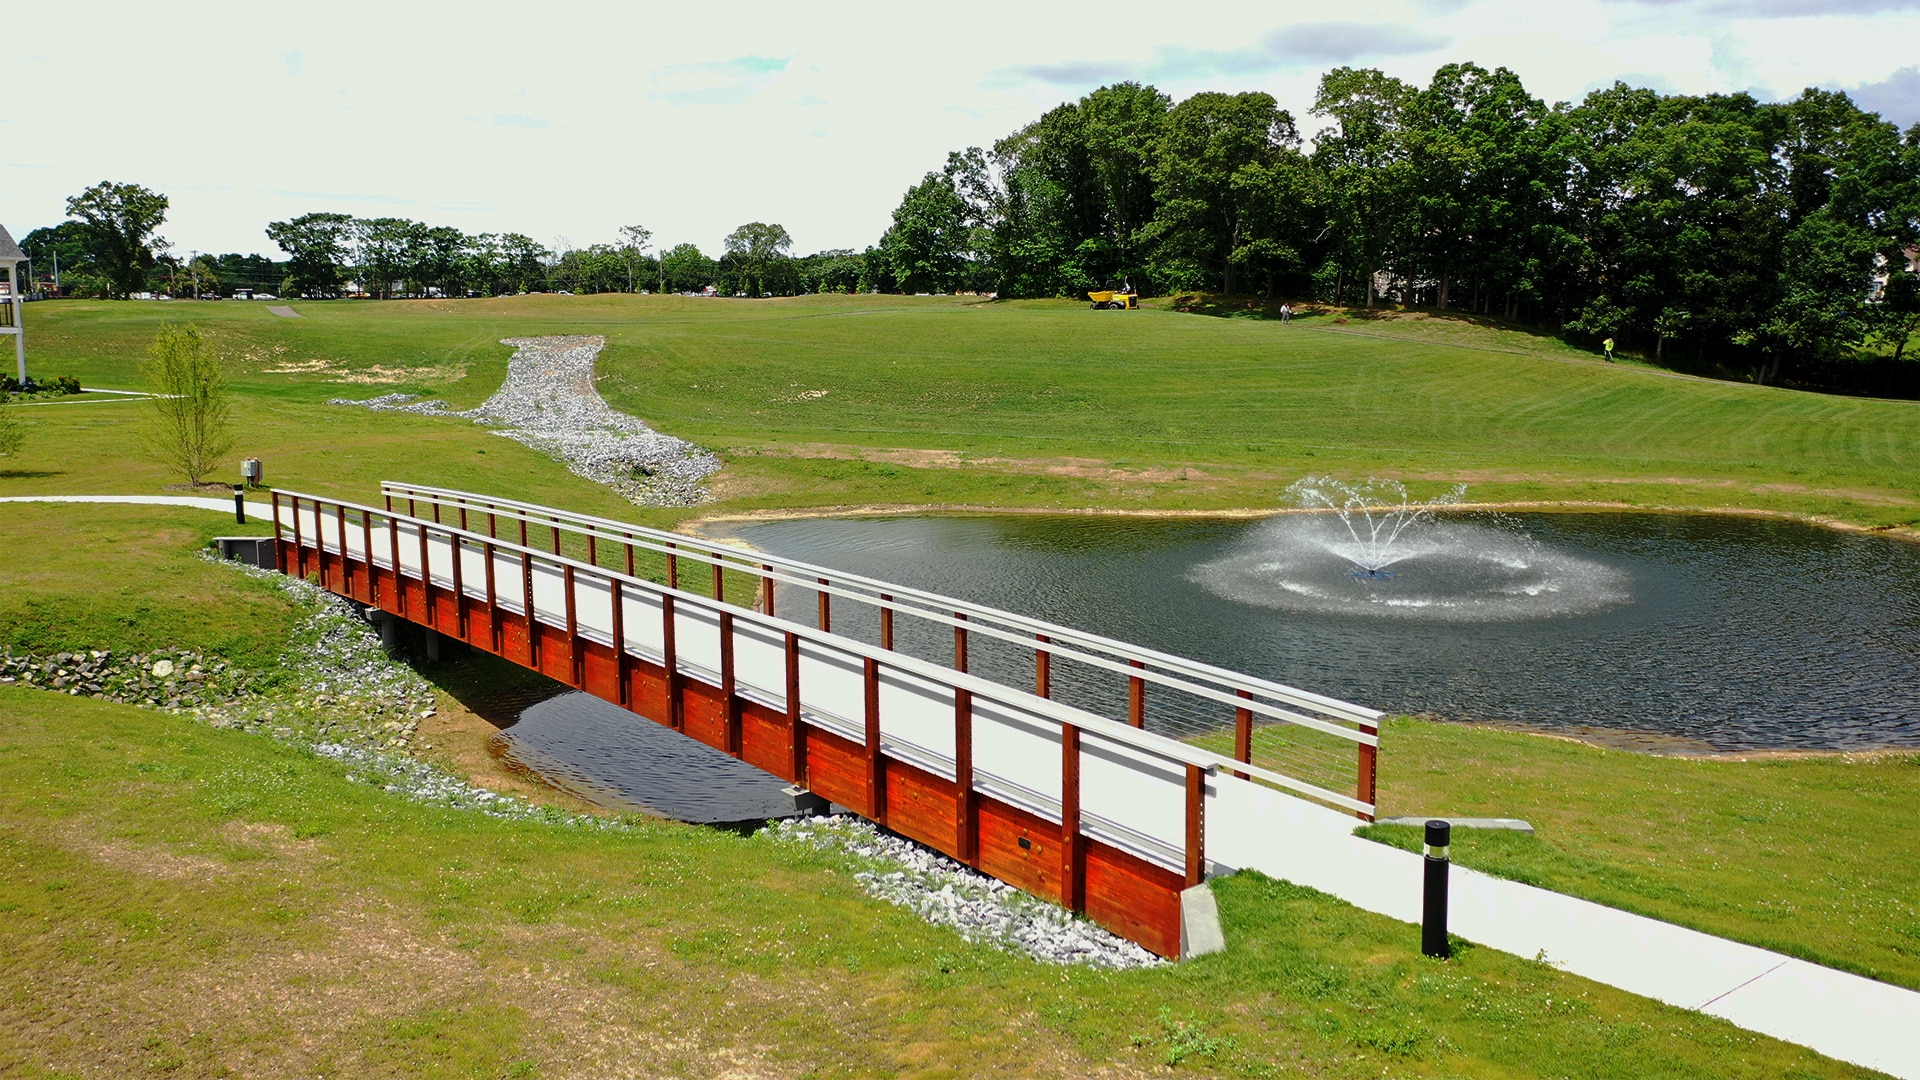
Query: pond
[1674, 631]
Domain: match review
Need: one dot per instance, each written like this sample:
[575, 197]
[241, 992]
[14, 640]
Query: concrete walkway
[1843, 1016]
[1854, 1019]
[197, 502]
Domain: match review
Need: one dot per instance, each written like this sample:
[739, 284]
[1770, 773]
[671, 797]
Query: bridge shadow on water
[601, 753]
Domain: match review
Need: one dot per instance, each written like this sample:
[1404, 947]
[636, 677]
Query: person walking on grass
[1609, 347]
[1286, 313]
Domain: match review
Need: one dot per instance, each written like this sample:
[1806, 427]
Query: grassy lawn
[826, 401]
[1806, 855]
[195, 902]
[184, 900]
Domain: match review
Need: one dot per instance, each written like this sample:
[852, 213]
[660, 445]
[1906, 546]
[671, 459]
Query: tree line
[1773, 240]
[111, 248]
[1728, 230]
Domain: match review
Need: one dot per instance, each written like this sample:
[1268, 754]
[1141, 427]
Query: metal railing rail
[1140, 666]
[1067, 718]
[872, 590]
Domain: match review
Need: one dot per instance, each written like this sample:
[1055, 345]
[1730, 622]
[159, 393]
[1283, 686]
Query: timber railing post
[533, 625]
[576, 669]
[494, 644]
[1136, 697]
[279, 548]
[669, 647]
[459, 589]
[673, 565]
[719, 581]
[886, 622]
[393, 543]
[796, 734]
[1196, 825]
[1243, 733]
[299, 548]
[963, 829]
[959, 642]
[619, 643]
[1072, 887]
[426, 574]
[366, 548]
[826, 609]
[876, 764]
[1369, 764]
[554, 529]
[728, 701]
[593, 551]
[766, 590]
[1042, 669]
[629, 554]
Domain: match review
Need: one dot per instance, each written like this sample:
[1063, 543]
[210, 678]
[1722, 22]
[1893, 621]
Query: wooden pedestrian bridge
[1108, 777]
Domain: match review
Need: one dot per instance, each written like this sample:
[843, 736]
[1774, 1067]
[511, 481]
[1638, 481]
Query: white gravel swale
[944, 892]
[549, 402]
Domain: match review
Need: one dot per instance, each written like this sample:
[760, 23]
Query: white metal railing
[1133, 789]
[1299, 733]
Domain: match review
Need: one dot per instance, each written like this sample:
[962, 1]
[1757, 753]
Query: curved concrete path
[1844, 1016]
[1849, 1017]
[197, 502]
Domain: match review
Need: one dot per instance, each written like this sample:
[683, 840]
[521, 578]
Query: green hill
[837, 400]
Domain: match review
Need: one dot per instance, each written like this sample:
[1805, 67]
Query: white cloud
[694, 119]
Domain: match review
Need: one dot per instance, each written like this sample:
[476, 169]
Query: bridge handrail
[889, 595]
[1161, 746]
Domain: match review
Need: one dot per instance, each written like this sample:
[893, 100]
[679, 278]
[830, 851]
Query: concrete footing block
[252, 550]
[1200, 931]
[806, 803]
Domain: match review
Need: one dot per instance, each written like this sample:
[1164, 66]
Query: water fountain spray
[1375, 513]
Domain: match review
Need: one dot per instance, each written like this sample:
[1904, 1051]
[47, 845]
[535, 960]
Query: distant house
[10, 259]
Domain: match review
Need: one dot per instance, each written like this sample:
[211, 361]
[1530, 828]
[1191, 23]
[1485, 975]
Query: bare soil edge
[711, 527]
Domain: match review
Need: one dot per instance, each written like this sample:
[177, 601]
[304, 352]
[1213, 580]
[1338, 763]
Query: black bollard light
[240, 504]
[1433, 911]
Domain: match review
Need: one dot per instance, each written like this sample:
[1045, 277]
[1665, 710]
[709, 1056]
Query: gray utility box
[252, 550]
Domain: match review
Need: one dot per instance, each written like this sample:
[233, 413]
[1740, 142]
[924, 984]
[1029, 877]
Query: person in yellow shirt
[1609, 347]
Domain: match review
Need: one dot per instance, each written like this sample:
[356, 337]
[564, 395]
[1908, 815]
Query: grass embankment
[825, 401]
[197, 902]
[1808, 855]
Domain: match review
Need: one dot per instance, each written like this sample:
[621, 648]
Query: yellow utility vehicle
[1114, 299]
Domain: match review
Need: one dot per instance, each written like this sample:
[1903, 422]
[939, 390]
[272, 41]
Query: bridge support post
[1369, 764]
[671, 657]
[1196, 825]
[796, 732]
[876, 762]
[963, 821]
[728, 701]
[1072, 857]
[1243, 733]
[1042, 669]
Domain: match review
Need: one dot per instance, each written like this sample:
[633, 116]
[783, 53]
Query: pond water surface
[1719, 631]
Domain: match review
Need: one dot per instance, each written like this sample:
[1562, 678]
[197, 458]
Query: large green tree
[756, 251]
[122, 223]
[316, 247]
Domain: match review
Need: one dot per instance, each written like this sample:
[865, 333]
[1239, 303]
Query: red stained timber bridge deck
[1114, 816]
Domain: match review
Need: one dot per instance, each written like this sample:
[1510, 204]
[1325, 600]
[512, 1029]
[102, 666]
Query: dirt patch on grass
[148, 861]
[919, 458]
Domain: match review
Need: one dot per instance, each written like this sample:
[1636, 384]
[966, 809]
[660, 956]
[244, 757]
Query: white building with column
[10, 260]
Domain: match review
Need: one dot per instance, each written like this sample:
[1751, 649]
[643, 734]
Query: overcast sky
[568, 120]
